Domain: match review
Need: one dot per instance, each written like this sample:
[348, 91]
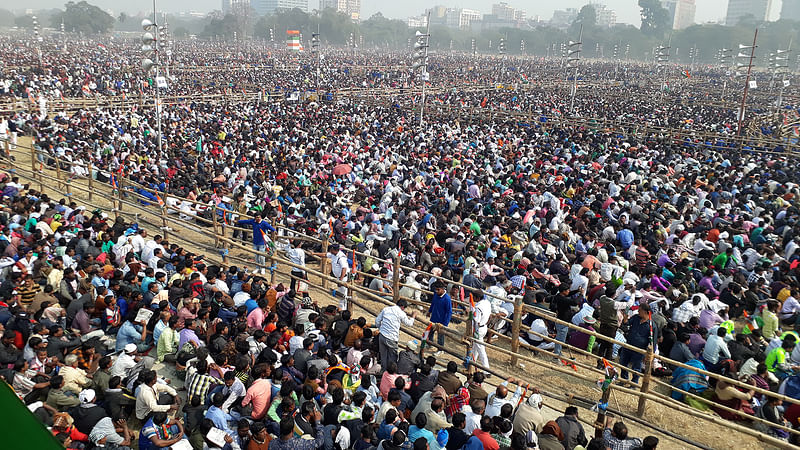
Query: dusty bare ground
[549, 380]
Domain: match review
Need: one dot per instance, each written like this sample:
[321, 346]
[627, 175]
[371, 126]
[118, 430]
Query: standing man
[297, 255]
[483, 311]
[340, 268]
[388, 323]
[260, 229]
[440, 311]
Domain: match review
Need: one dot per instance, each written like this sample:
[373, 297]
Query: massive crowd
[648, 240]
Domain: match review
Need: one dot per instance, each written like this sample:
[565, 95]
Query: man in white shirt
[473, 416]
[483, 311]
[340, 269]
[124, 362]
[137, 241]
[388, 322]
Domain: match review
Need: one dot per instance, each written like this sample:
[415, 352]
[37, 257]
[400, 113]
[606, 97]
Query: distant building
[263, 7]
[460, 18]
[417, 21]
[563, 18]
[350, 7]
[790, 10]
[681, 11]
[740, 9]
[230, 5]
[502, 11]
[606, 18]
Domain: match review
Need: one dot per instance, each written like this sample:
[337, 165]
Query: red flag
[354, 262]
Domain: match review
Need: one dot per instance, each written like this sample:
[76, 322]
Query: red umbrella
[342, 169]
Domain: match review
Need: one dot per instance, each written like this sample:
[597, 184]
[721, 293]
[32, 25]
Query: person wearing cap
[528, 416]
[88, 413]
[583, 340]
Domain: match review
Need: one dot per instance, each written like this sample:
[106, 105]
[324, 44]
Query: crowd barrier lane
[369, 295]
[539, 312]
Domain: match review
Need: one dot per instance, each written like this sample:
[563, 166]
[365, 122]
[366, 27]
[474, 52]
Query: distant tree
[24, 21]
[6, 18]
[655, 18]
[181, 32]
[224, 27]
[122, 17]
[587, 17]
[83, 17]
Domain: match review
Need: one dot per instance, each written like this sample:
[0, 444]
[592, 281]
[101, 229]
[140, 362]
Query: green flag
[200, 144]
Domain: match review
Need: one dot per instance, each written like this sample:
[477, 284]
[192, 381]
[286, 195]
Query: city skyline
[627, 10]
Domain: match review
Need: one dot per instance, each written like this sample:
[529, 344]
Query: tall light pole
[420, 61]
[150, 47]
[574, 57]
[315, 41]
[747, 79]
[780, 66]
[662, 61]
[725, 61]
[37, 38]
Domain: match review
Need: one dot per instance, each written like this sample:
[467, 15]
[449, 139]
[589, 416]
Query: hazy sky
[627, 10]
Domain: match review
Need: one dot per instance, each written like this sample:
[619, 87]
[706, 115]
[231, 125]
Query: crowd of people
[645, 239]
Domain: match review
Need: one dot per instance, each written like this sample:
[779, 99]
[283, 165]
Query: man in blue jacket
[441, 310]
[260, 229]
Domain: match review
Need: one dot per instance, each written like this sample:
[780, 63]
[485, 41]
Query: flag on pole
[686, 74]
[160, 202]
[199, 146]
[114, 182]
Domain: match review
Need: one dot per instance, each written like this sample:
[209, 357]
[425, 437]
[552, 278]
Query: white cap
[87, 396]
[130, 348]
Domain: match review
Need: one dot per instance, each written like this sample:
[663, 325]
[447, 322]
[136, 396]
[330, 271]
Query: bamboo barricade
[546, 315]
[643, 394]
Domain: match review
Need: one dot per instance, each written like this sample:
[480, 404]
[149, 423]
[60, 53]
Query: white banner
[161, 82]
[753, 84]
[785, 83]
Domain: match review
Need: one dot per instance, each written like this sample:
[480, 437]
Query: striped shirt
[200, 386]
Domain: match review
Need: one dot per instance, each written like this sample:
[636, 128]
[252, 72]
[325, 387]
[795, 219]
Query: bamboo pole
[91, 175]
[515, 330]
[648, 373]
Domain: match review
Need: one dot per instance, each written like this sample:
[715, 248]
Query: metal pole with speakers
[150, 49]
[420, 61]
[315, 41]
[574, 57]
[747, 84]
[37, 38]
[662, 61]
[780, 65]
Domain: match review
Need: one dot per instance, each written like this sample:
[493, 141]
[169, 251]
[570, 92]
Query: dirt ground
[548, 380]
